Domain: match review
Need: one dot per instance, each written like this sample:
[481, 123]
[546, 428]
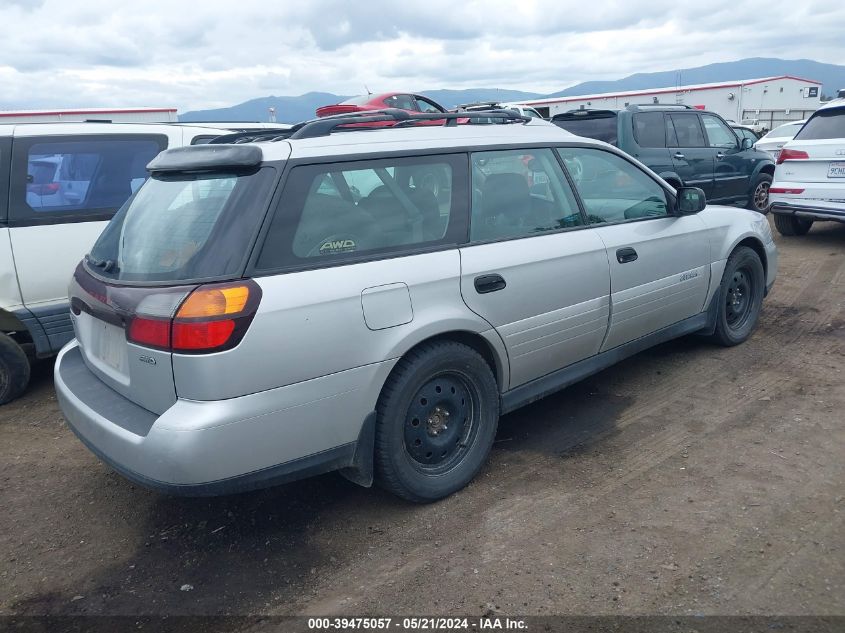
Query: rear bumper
[218, 447]
[809, 211]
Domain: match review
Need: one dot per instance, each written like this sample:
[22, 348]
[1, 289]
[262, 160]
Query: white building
[114, 115]
[766, 102]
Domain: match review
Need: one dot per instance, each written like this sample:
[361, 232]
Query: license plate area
[836, 170]
[104, 344]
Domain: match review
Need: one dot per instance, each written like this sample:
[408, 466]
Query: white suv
[59, 185]
[809, 181]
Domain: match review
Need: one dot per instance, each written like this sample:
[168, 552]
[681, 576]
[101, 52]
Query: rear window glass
[359, 100]
[87, 176]
[349, 210]
[602, 128]
[824, 124]
[650, 129]
[184, 227]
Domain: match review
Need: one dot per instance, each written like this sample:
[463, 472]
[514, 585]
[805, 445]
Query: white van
[60, 183]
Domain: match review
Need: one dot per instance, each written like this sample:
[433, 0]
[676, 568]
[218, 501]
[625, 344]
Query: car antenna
[367, 89]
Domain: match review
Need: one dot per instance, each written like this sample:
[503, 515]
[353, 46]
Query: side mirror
[747, 143]
[691, 200]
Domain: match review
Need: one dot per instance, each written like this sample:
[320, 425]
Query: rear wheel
[740, 297]
[437, 417]
[758, 197]
[790, 226]
[14, 370]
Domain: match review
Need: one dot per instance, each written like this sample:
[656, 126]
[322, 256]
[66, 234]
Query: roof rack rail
[250, 136]
[400, 118]
[679, 106]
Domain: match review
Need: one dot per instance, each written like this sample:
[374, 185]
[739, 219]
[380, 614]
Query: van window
[519, 193]
[339, 211]
[73, 178]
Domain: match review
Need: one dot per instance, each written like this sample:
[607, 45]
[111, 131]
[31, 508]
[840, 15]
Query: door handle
[625, 255]
[489, 283]
[678, 155]
[720, 155]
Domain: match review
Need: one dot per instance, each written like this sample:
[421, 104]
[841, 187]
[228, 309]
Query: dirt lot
[688, 480]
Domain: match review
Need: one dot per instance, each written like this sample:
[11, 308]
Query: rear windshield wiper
[108, 265]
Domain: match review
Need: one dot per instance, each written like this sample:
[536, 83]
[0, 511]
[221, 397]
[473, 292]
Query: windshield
[602, 128]
[183, 227]
[824, 124]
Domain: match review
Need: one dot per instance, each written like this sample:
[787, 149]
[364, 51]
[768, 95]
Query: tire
[421, 453]
[758, 197]
[740, 297]
[790, 226]
[14, 370]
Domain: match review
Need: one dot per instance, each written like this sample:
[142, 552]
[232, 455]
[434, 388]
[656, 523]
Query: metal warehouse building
[765, 102]
[114, 115]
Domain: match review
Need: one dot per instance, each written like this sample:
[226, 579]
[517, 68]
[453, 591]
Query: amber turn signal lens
[211, 302]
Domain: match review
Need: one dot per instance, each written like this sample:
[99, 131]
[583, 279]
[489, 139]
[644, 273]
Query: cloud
[105, 53]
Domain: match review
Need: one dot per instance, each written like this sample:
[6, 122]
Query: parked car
[60, 184]
[744, 132]
[810, 177]
[246, 319]
[687, 147]
[368, 103]
[519, 108]
[772, 141]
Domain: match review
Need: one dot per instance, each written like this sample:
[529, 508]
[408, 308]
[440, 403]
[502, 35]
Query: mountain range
[291, 109]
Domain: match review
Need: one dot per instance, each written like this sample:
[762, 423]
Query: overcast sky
[213, 53]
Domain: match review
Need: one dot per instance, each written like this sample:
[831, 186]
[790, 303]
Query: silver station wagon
[369, 293]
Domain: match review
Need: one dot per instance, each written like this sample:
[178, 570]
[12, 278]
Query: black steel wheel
[740, 297]
[436, 420]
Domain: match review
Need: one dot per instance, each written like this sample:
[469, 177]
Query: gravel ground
[690, 479]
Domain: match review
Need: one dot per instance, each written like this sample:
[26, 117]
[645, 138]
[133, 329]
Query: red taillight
[785, 190]
[792, 154]
[149, 332]
[200, 335]
[211, 318]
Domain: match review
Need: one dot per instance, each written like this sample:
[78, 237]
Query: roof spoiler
[206, 158]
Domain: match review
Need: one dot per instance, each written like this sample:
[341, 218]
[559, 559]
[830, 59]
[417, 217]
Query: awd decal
[338, 246]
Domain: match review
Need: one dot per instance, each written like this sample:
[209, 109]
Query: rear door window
[824, 124]
[345, 211]
[650, 129]
[687, 130]
[67, 179]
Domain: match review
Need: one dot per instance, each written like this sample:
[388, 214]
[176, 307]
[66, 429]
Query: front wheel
[437, 417]
[740, 297]
[791, 226]
[758, 197]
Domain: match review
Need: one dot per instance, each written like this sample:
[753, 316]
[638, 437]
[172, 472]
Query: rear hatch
[598, 124]
[165, 275]
[817, 153]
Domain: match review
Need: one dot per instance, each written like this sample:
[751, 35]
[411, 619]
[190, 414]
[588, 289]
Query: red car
[400, 100]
